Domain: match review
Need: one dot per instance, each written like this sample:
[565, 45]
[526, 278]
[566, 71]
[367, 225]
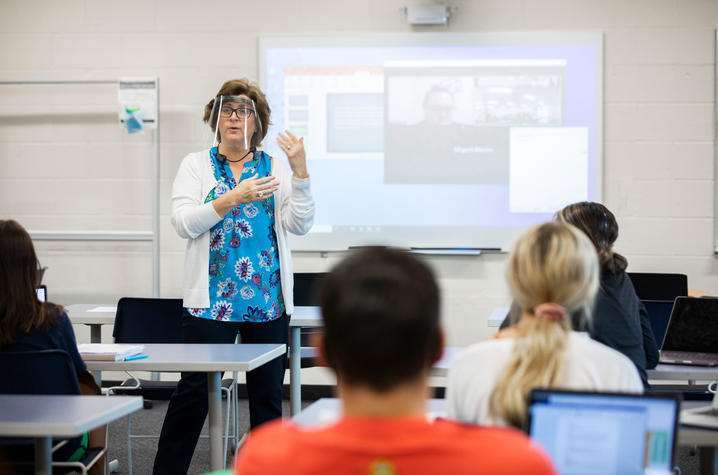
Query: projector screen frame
[492, 239]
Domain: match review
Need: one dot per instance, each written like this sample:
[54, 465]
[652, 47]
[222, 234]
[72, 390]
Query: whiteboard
[452, 141]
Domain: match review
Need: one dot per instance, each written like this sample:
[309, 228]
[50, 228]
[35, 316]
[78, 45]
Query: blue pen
[137, 357]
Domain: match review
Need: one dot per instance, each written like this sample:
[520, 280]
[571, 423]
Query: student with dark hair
[26, 324]
[620, 319]
[381, 336]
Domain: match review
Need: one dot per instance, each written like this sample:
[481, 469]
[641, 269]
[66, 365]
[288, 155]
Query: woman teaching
[235, 204]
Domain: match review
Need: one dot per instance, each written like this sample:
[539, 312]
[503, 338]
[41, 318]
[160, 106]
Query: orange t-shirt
[383, 446]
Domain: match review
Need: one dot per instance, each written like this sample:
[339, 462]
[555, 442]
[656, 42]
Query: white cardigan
[192, 218]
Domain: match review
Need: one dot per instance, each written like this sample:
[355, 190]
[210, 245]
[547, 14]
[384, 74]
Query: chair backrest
[148, 320]
[659, 286]
[305, 288]
[37, 372]
[659, 312]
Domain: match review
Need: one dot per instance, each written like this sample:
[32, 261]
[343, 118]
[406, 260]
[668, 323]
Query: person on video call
[235, 204]
[440, 149]
[438, 107]
[381, 336]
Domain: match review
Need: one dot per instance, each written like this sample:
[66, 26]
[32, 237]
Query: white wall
[67, 165]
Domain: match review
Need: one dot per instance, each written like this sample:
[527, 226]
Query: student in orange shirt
[381, 336]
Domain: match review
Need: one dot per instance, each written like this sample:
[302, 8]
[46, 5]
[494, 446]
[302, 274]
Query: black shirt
[620, 321]
[60, 337]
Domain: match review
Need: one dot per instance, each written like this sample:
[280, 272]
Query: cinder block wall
[67, 165]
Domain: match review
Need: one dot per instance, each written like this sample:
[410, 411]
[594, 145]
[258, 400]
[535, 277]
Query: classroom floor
[147, 421]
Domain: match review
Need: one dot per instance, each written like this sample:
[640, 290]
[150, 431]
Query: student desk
[326, 410]
[311, 317]
[80, 313]
[205, 358]
[303, 317]
[681, 372]
[44, 417]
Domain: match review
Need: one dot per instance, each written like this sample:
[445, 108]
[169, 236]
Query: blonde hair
[551, 263]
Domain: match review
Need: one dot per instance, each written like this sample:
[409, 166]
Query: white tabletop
[306, 317]
[441, 367]
[92, 313]
[60, 415]
[204, 357]
[681, 372]
[326, 410]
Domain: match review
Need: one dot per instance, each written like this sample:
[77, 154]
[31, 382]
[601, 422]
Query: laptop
[692, 333]
[659, 312]
[41, 292]
[605, 433]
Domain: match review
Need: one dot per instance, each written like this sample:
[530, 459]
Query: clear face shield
[235, 122]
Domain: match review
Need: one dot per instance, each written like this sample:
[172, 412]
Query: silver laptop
[692, 333]
[605, 433]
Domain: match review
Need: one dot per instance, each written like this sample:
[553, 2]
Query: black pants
[188, 406]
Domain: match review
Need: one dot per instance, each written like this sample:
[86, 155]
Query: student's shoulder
[502, 447]
[266, 447]
[613, 364]
[272, 446]
[483, 351]
[595, 349]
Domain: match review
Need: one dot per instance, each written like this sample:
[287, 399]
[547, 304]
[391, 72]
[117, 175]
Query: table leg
[708, 459]
[216, 456]
[295, 366]
[43, 456]
[96, 337]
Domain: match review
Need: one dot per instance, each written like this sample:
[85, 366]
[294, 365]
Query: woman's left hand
[294, 148]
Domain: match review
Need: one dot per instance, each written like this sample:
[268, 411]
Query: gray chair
[305, 294]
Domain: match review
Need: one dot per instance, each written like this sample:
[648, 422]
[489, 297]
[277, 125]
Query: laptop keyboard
[702, 359]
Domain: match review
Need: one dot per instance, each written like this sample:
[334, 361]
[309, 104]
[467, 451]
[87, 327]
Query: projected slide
[438, 140]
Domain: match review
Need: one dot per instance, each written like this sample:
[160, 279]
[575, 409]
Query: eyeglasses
[242, 112]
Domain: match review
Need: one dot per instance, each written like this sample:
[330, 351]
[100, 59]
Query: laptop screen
[693, 326]
[606, 433]
[41, 293]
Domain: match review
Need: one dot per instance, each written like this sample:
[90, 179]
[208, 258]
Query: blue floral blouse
[244, 279]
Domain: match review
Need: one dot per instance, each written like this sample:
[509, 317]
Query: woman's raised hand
[294, 148]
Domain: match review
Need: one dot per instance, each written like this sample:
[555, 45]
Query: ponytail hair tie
[551, 311]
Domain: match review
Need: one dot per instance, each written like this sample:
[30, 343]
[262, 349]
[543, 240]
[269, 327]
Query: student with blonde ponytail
[553, 272]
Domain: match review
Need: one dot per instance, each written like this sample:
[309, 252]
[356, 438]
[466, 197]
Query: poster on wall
[137, 103]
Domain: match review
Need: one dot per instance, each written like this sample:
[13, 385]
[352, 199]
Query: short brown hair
[380, 309]
[20, 310]
[236, 87]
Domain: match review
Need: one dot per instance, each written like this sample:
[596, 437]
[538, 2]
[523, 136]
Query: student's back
[381, 336]
[391, 446]
[621, 322]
